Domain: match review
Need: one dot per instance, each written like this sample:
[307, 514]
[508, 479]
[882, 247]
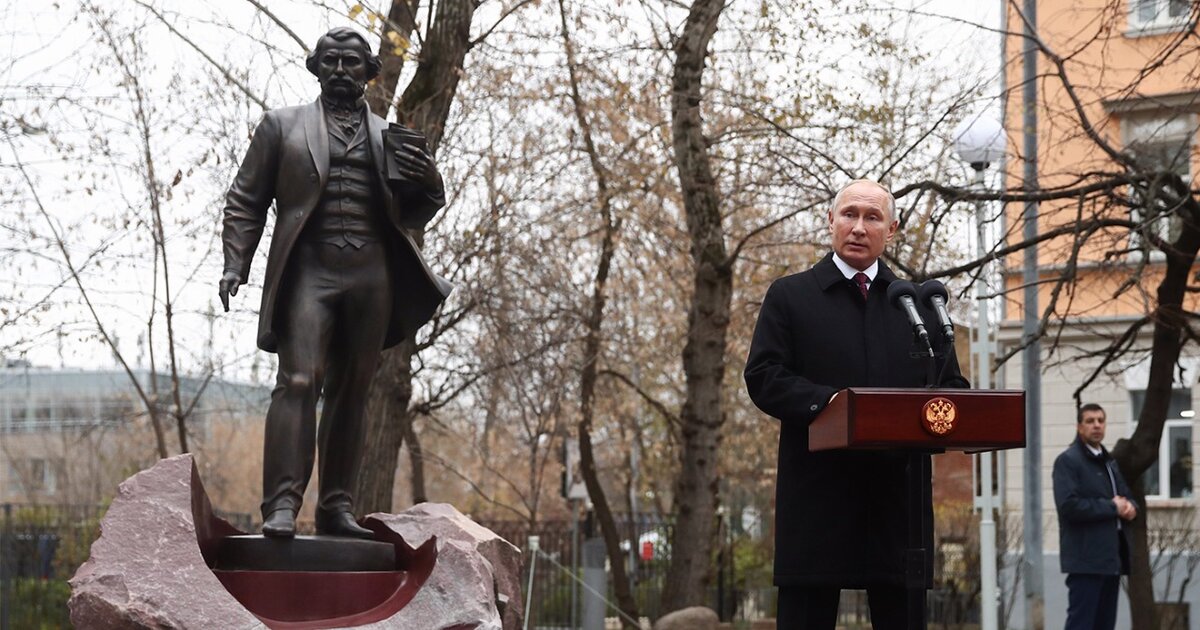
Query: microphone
[933, 294]
[901, 293]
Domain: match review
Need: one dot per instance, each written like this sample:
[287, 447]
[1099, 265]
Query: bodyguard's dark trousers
[1092, 601]
[815, 607]
[332, 317]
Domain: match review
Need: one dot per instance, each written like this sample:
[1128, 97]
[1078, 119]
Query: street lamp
[979, 141]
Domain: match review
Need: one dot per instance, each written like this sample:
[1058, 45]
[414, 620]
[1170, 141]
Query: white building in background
[70, 436]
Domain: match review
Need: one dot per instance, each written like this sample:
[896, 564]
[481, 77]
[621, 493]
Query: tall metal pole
[1032, 535]
[575, 563]
[6, 566]
[533, 553]
[983, 380]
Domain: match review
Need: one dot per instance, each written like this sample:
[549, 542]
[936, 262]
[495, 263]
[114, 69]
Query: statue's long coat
[288, 162]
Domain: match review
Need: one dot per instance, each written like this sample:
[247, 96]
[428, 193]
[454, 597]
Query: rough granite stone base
[148, 569]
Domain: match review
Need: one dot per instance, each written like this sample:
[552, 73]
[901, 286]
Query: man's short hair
[1089, 407]
[341, 34]
[891, 201]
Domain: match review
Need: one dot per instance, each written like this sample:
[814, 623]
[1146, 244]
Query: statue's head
[343, 63]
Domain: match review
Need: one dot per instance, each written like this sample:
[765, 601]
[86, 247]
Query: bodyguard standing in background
[1093, 505]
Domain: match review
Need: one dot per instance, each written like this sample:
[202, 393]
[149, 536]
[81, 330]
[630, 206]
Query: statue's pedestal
[255, 552]
[164, 560]
[316, 578]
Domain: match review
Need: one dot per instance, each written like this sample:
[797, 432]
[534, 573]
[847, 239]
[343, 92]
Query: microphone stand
[932, 376]
[916, 469]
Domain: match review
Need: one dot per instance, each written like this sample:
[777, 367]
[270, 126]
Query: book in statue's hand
[395, 137]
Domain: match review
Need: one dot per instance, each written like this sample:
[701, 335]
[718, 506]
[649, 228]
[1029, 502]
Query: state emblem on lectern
[939, 416]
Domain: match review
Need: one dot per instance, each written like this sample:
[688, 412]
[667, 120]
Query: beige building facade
[1124, 72]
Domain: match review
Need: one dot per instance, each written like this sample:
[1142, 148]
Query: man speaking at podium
[840, 515]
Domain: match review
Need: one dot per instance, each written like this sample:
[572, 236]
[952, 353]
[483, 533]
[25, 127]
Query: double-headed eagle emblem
[938, 416]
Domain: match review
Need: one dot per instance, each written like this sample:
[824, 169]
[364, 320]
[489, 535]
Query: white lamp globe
[979, 140]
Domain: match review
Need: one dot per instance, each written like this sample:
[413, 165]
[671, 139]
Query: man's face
[1091, 428]
[342, 69]
[861, 225]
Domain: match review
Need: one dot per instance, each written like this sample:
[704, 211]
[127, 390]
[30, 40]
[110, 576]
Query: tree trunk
[702, 416]
[387, 413]
[401, 23]
[592, 345]
[1135, 454]
[416, 459]
[424, 106]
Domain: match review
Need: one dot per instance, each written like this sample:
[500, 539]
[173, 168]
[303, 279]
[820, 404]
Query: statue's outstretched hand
[229, 286]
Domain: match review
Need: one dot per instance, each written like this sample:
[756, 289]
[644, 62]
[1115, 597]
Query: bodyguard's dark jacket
[840, 516]
[1087, 519]
[288, 163]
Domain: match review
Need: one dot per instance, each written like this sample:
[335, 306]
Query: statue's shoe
[280, 524]
[341, 524]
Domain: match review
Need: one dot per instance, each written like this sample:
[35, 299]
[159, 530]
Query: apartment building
[1121, 81]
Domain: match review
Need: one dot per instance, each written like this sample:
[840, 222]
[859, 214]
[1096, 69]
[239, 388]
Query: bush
[39, 604]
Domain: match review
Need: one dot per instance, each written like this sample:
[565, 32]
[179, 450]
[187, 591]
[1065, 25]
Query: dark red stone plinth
[297, 599]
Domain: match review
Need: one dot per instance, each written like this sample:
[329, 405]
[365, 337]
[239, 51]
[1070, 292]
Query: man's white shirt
[850, 272]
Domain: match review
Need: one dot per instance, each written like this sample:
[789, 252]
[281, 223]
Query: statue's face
[342, 69]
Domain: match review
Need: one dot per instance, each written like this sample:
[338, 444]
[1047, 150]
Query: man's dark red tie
[861, 278]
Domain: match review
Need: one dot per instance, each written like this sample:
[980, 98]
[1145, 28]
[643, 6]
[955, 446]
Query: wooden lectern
[920, 421]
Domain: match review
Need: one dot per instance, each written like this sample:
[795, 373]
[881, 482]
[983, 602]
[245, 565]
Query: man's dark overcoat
[288, 162]
[1088, 538]
[840, 516]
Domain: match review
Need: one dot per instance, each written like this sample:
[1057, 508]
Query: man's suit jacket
[840, 516]
[288, 162]
[1087, 518]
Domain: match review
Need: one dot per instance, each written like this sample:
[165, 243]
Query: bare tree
[146, 211]
[703, 415]
[425, 106]
[610, 227]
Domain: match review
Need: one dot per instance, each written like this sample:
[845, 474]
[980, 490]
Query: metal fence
[738, 593]
[41, 547]
[556, 595]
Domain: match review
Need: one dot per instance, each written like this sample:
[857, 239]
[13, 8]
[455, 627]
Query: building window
[1162, 144]
[1170, 476]
[18, 418]
[1157, 16]
[36, 475]
[1177, 447]
[43, 415]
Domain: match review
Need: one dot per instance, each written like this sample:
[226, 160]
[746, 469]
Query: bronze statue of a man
[343, 279]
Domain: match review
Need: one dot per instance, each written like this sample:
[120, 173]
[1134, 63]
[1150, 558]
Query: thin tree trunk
[417, 458]
[592, 344]
[1135, 454]
[702, 416]
[387, 411]
[401, 24]
[424, 106]
[151, 401]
